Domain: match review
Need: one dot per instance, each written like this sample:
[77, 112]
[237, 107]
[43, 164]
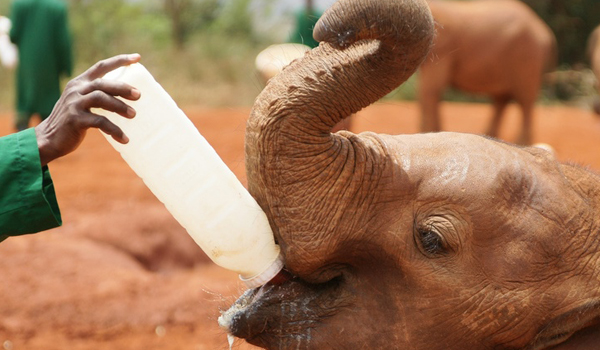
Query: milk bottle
[185, 173]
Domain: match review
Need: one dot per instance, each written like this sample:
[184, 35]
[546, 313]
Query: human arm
[27, 198]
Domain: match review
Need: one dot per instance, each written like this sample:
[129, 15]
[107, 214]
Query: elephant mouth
[283, 316]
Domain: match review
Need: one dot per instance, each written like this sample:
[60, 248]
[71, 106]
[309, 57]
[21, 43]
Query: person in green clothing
[305, 23]
[40, 32]
[27, 199]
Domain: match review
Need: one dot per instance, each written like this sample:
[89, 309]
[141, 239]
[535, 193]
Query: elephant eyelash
[431, 243]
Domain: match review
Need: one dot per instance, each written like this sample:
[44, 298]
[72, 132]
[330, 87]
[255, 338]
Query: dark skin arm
[64, 130]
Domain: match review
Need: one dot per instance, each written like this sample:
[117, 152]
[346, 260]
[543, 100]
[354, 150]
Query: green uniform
[303, 32]
[27, 198]
[40, 31]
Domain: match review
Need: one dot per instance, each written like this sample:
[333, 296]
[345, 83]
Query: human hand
[64, 130]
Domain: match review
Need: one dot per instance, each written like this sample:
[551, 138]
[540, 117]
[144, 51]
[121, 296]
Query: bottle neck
[272, 272]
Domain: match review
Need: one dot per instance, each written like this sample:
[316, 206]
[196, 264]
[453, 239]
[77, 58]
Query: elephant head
[431, 241]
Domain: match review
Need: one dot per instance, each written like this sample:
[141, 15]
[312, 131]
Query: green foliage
[188, 16]
[572, 22]
[103, 28]
[214, 66]
[235, 20]
[406, 91]
[4, 8]
[213, 70]
[203, 51]
[7, 83]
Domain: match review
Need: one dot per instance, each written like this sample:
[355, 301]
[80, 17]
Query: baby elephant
[497, 48]
[438, 241]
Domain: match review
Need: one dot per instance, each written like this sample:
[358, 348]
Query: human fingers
[100, 99]
[111, 87]
[102, 67]
[91, 120]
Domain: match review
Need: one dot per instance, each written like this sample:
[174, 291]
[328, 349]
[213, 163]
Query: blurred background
[202, 51]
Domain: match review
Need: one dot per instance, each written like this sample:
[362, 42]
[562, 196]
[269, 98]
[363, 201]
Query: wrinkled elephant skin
[439, 241]
[495, 48]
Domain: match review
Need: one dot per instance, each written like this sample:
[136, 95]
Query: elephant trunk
[373, 47]
[367, 48]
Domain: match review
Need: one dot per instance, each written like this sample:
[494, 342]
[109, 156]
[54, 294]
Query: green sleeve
[27, 198]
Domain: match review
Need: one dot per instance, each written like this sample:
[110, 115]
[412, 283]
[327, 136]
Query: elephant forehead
[482, 174]
[448, 162]
[475, 170]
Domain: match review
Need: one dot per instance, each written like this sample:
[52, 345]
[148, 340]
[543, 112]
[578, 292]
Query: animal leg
[430, 115]
[527, 130]
[499, 107]
[429, 99]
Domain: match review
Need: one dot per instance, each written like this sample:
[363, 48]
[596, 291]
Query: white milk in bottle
[185, 173]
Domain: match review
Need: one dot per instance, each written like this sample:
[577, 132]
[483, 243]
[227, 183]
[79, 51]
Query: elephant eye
[430, 242]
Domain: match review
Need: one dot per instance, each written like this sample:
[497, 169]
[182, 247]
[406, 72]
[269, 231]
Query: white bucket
[9, 55]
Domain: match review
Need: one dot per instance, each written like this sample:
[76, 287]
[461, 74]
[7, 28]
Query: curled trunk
[367, 48]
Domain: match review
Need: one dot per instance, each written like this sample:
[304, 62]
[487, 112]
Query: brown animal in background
[438, 241]
[497, 48]
[593, 50]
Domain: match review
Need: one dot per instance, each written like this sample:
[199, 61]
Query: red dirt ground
[122, 274]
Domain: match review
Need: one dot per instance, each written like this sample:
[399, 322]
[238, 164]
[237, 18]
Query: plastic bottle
[184, 172]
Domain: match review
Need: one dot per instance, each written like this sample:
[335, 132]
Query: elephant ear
[564, 329]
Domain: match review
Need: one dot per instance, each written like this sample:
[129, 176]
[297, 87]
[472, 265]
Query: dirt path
[122, 274]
